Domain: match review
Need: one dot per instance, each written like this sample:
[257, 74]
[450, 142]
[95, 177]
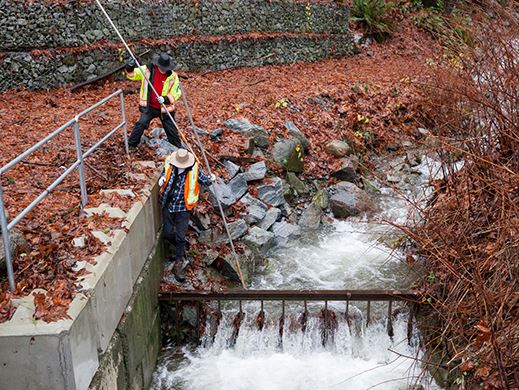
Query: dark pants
[147, 114]
[175, 228]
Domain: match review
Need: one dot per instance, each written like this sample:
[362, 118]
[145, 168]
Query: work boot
[178, 270]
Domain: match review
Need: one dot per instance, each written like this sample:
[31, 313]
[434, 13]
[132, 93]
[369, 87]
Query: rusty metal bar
[412, 313]
[177, 319]
[390, 331]
[198, 314]
[292, 295]
[325, 338]
[282, 324]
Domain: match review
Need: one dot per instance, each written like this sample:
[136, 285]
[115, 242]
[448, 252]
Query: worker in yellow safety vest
[179, 190]
[166, 83]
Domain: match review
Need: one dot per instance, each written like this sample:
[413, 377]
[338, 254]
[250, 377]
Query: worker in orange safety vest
[179, 191]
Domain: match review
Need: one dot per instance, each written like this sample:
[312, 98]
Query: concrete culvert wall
[45, 44]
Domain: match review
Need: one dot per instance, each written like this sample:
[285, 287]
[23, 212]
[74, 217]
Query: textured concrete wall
[119, 297]
[130, 358]
[46, 45]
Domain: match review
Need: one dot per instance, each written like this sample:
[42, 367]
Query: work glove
[131, 65]
[213, 178]
[163, 100]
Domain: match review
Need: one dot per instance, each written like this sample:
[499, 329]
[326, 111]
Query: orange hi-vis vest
[191, 186]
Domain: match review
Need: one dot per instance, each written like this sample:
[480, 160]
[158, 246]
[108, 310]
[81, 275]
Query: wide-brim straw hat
[182, 158]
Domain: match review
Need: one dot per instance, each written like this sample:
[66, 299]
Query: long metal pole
[5, 239]
[81, 167]
[180, 133]
[125, 127]
[204, 155]
[150, 84]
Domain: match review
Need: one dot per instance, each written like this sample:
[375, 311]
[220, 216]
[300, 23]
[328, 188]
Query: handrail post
[79, 153]
[5, 239]
[125, 129]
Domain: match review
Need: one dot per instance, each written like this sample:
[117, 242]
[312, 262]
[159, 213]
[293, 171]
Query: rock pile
[275, 210]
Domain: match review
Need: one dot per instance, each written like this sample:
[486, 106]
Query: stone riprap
[42, 24]
[45, 45]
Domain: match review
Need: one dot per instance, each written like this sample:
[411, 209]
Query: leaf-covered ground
[370, 99]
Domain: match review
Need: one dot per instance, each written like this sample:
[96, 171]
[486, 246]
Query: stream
[351, 254]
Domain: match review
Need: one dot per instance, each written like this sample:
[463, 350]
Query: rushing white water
[352, 254]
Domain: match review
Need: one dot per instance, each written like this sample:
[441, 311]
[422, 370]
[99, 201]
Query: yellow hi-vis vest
[191, 186]
[171, 87]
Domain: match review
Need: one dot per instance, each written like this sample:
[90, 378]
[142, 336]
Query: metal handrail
[78, 164]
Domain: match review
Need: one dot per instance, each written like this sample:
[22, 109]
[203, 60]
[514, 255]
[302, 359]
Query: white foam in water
[351, 255]
[258, 362]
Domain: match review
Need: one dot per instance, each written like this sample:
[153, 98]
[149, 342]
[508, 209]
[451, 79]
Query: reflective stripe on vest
[166, 89]
[191, 188]
[168, 168]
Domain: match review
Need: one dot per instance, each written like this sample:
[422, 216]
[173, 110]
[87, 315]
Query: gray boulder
[238, 185]
[337, 148]
[289, 154]
[259, 239]
[256, 209]
[158, 133]
[296, 184]
[286, 210]
[216, 133]
[164, 148]
[229, 268]
[311, 217]
[321, 199]
[200, 131]
[349, 200]
[232, 168]
[297, 134]
[244, 127]
[347, 172]
[272, 215]
[284, 232]
[222, 192]
[272, 193]
[256, 171]
[237, 229]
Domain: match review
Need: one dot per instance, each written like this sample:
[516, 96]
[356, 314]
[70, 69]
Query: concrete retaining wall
[45, 45]
[114, 328]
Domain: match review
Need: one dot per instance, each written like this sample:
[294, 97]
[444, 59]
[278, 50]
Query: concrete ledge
[71, 348]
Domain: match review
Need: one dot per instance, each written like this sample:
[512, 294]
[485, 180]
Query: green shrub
[372, 16]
